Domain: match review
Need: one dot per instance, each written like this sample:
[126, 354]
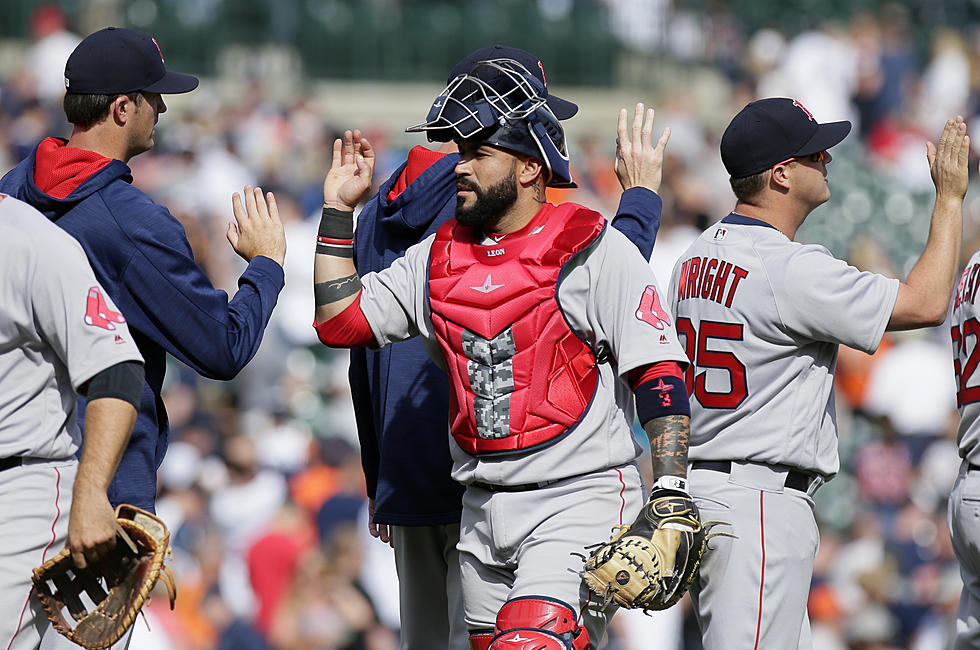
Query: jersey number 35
[696, 345]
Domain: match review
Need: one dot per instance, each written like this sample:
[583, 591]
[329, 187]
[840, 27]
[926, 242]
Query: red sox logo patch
[650, 311]
[97, 311]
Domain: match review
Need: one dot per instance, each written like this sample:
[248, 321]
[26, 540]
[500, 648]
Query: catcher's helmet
[501, 103]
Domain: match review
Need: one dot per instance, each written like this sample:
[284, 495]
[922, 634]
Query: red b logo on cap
[164, 60]
[804, 109]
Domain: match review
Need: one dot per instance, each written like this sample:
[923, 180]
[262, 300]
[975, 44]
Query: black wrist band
[336, 224]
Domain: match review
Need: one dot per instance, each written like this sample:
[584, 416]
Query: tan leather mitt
[652, 562]
[105, 597]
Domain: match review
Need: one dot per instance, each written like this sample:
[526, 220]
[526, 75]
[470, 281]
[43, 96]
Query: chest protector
[519, 376]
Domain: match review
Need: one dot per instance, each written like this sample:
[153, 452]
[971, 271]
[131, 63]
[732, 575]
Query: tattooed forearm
[669, 438]
[334, 290]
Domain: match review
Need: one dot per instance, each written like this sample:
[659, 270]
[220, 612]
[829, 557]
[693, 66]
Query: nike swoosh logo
[488, 286]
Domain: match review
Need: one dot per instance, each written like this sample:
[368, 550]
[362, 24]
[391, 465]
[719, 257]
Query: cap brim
[173, 83]
[562, 108]
[827, 135]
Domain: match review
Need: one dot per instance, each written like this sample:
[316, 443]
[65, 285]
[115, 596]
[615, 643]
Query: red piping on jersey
[44, 553]
[622, 499]
[419, 159]
[348, 329]
[60, 169]
[643, 374]
[762, 585]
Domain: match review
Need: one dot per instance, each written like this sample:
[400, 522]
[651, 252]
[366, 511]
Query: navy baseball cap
[562, 108]
[116, 60]
[770, 131]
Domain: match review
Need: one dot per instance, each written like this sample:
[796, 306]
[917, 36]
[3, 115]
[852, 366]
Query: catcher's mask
[502, 104]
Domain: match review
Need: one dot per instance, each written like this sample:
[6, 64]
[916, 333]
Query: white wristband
[668, 482]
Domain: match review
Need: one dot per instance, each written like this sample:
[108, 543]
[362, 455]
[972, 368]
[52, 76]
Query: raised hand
[257, 229]
[948, 162]
[639, 163]
[350, 172]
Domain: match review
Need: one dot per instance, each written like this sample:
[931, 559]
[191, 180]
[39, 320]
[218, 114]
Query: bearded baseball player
[60, 336]
[761, 317]
[401, 397]
[964, 515]
[544, 319]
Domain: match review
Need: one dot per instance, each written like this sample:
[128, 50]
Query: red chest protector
[519, 376]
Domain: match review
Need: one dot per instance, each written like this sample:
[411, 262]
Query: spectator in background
[53, 43]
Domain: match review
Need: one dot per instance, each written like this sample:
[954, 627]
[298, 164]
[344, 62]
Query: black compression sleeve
[123, 381]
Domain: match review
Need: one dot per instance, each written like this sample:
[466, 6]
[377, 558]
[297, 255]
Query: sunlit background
[263, 474]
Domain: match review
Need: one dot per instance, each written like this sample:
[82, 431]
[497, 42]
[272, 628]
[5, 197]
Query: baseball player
[60, 334]
[964, 501]
[401, 397]
[544, 320]
[115, 80]
[761, 317]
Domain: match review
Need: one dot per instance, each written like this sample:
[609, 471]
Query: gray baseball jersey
[761, 317]
[531, 543]
[964, 523]
[965, 331]
[57, 330]
[600, 298]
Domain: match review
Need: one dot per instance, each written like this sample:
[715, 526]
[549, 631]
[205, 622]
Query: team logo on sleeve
[650, 311]
[97, 311]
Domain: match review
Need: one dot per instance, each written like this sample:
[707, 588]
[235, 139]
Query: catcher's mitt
[105, 597]
[650, 563]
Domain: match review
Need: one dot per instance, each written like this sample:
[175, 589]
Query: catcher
[551, 328]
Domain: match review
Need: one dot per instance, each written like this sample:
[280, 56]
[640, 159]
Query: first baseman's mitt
[650, 563]
[105, 597]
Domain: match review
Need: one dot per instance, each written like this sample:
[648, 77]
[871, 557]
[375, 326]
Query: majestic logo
[650, 311]
[97, 311]
[488, 286]
[804, 109]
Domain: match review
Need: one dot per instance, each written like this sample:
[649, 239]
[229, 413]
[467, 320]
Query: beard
[489, 203]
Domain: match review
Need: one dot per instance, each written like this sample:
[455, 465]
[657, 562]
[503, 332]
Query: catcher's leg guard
[538, 622]
[480, 639]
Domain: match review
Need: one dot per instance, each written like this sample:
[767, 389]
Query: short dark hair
[748, 187]
[86, 111]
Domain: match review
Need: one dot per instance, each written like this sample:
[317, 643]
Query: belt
[13, 461]
[520, 487]
[974, 467]
[795, 479]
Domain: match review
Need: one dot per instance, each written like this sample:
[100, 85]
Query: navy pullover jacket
[141, 256]
[401, 397]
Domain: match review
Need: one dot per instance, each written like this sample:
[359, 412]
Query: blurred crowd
[262, 486]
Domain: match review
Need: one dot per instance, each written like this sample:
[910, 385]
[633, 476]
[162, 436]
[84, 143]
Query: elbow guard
[123, 381]
[348, 329]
